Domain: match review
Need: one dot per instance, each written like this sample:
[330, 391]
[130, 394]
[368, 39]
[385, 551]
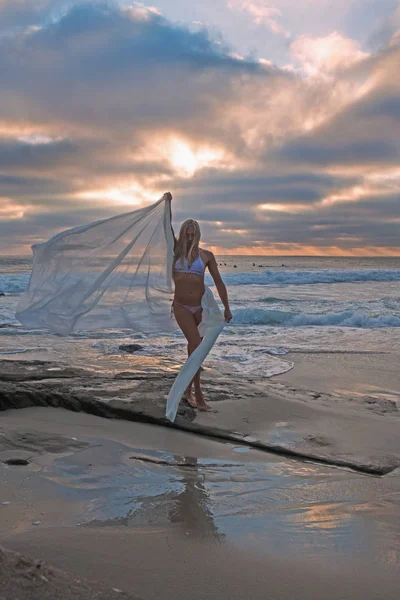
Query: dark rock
[130, 347]
[141, 397]
[17, 462]
[19, 370]
[2, 294]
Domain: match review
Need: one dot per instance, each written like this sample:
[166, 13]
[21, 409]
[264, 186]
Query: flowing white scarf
[115, 273]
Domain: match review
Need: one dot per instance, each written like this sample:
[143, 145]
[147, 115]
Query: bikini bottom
[192, 309]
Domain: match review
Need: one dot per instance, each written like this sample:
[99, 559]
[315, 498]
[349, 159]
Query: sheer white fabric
[114, 273]
[211, 325]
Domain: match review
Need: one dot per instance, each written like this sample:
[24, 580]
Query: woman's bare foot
[201, 403]
[190, 399]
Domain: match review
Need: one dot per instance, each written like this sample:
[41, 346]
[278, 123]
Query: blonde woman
[190, 263]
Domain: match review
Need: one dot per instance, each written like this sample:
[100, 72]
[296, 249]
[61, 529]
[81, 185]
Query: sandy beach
[363, 374]
[27, 578]
[161, 513]
[199, 196]
[288, 488]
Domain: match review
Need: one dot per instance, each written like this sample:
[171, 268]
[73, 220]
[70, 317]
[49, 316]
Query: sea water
[280, 305]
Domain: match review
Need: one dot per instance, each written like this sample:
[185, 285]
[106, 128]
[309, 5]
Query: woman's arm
[219, 284]
[168, 197]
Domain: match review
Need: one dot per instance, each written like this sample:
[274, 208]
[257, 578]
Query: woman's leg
[188, 323]
[188, 395]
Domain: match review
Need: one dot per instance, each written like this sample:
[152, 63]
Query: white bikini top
[197, 267]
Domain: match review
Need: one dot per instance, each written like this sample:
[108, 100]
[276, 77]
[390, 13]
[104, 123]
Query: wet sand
[360, 432]
[346, 373]
[25, 578]
[163, 514]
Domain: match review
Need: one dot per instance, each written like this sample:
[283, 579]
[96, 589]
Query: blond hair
[182, 250]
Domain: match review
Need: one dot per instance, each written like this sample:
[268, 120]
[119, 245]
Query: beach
[161, 513]
[272, 481]
[289, 486]
[220, 179]
[358, 374]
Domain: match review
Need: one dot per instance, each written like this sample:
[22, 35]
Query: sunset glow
[133, 195]
[300, 250]
[187, 161]
[275, 125]
[290, 208]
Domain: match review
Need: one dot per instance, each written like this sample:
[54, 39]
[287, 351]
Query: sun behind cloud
[105, 107]
[186, 160]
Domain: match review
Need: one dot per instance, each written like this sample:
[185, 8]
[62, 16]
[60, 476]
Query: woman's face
[190, 233]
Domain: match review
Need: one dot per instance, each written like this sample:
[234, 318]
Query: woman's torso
[189, 280]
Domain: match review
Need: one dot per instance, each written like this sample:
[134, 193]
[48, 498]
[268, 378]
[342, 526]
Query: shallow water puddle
[282, 506]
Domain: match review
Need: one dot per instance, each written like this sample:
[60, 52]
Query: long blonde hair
[182, 250]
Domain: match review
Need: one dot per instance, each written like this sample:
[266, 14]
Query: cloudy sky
[275, 123]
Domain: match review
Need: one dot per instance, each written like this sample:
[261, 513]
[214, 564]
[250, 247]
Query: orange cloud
[203, 121]
[10, 209]
[286, 208]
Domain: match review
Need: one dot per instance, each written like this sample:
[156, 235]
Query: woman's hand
[227, 315]
[168, 196]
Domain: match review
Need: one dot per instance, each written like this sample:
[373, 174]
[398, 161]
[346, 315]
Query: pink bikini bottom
[192, 309]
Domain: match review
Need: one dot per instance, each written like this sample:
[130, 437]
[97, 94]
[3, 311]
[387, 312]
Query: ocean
[281, 306]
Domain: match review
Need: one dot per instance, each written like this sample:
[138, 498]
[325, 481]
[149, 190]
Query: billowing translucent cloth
[114, 273]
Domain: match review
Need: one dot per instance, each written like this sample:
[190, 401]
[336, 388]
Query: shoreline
[356, 432]
[201, 519]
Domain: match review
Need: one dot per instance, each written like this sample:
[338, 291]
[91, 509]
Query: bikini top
[197, 267]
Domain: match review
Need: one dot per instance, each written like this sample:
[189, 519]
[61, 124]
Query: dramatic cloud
[263, 13]
[289, 17]
[21, 13]
[326, 55]
[104, 106]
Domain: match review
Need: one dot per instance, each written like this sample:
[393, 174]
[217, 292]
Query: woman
[190, 263]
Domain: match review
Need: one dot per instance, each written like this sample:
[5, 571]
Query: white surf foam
[347, 318]
[287, 277]
[16, 283]
[13, 283]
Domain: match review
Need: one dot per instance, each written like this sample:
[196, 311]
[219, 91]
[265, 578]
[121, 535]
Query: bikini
[196, 268]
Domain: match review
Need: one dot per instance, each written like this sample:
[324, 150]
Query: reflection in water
[321, 516]
[283, 506]
[191, 507]
[188, 505]
[169, 490]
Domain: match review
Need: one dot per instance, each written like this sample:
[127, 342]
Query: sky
[274, 123]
